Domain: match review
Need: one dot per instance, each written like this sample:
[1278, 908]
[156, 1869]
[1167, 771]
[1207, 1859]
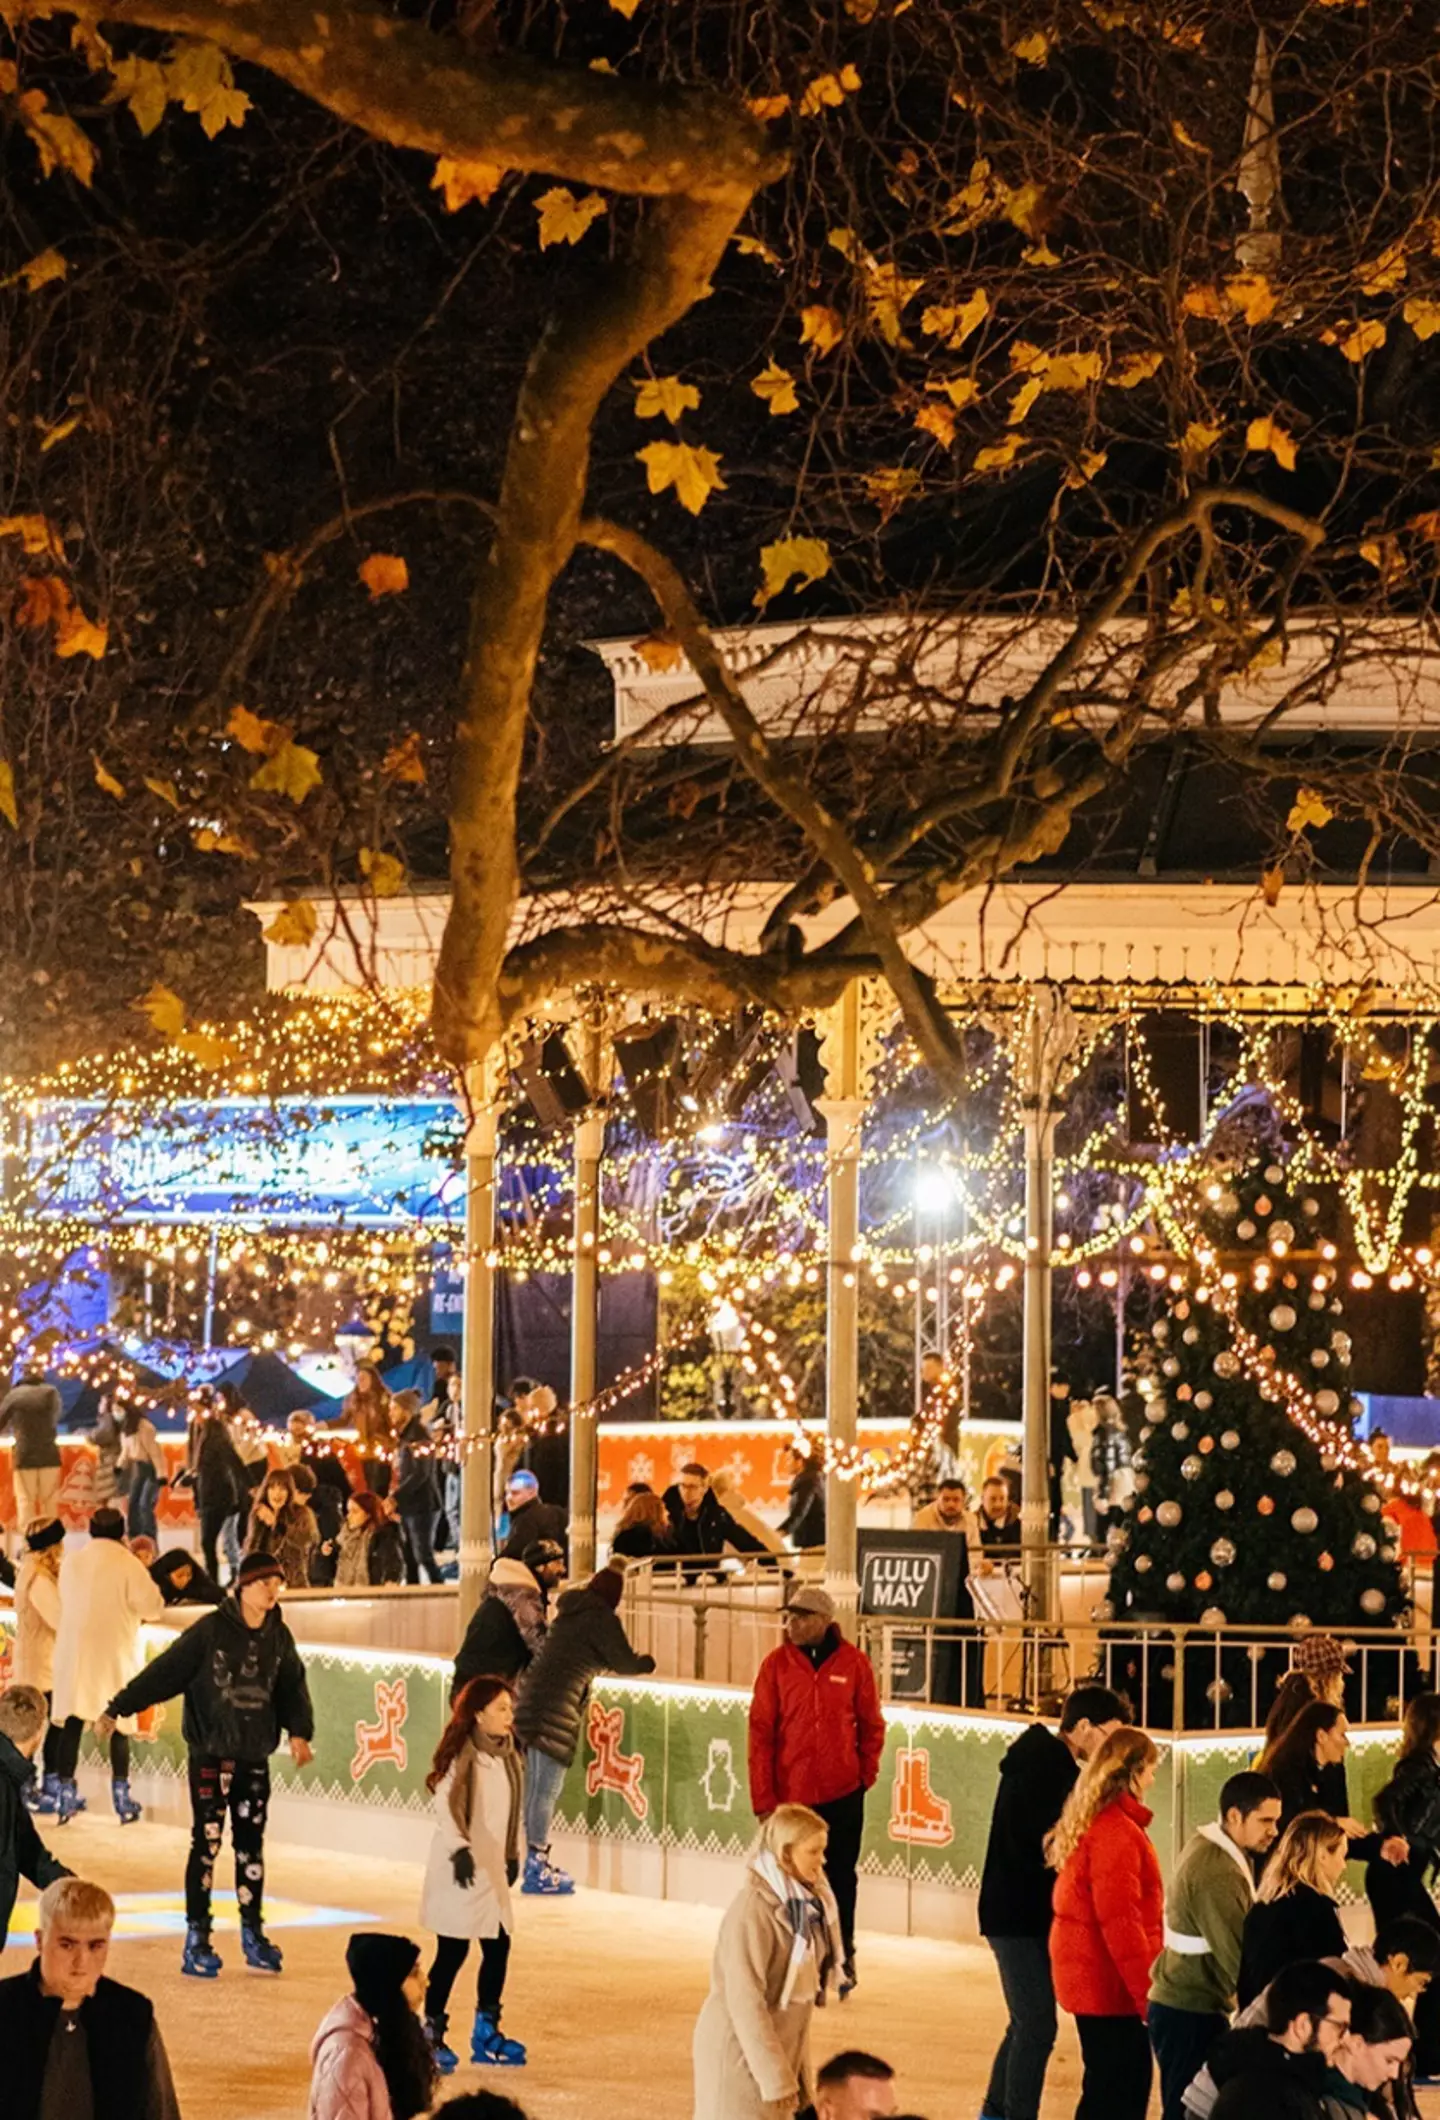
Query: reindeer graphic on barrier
[382, 1742]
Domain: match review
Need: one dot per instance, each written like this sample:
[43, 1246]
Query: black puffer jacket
[22, 1852]
[585, 1638]
[243, 1686]
[1036, 1775]
[1409, 1804]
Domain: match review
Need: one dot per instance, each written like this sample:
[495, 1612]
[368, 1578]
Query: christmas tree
[1252, 1505]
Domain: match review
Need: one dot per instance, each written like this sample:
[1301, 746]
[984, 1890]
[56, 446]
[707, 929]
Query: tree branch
[675, 968]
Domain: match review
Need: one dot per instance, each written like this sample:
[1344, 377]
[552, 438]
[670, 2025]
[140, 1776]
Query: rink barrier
[660, 1779]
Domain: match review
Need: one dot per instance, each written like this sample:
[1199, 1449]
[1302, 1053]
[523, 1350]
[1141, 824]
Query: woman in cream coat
[777, 1953]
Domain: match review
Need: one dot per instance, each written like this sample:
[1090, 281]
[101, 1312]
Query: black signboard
[914, 1575]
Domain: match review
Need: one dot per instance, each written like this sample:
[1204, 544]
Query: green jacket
[1205, 1908]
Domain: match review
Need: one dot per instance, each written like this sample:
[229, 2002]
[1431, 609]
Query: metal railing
[711, 1618]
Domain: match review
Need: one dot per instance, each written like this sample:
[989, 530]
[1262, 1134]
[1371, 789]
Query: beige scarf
[463, 1783]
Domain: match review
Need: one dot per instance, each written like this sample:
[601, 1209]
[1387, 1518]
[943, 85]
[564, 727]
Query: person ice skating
[217, 1475]
[1109, 1923]
[777, 1955]
[22, 1852]
[142, 1468]
[31, 1411]
[585, 1638]
[76, 2045]
[366, 1409]
[416, 1493]
[1409, 1806]
[37, 1618]
[1192, 1986]
[370, 2059]
[283, 1524]
[816, 1737]
[530, 1518]
[244, 1684]
[1017, 1889]
[106, 1597]
[1279, 2072]
[803, 1525]
[1295, 1915]
[855, 2086]
[477, 1783]
[508, 1625]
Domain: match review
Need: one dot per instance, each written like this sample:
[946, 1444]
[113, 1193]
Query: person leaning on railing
[1307, 1766]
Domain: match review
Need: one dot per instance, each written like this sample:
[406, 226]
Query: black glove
[512, 1869]
[462, 1862]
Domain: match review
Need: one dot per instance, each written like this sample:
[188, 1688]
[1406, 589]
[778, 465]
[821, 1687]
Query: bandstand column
[1050, 1036]
[843, 1110]
[584, 1321]
[477, 1363]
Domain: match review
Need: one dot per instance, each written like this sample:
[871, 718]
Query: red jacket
[1109, 1923]
[815, 1733]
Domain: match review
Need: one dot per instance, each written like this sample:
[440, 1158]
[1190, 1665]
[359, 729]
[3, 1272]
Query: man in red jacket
[816, 1736]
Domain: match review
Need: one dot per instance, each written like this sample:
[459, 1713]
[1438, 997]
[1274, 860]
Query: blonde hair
[1107, 1775]
[22, 1713]
[1296, 1859]
[72, 1903]
[787, 1823]
[47, 1557]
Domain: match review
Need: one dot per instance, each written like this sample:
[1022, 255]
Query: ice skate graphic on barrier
[382, 1742]
[611, 1768]
[918, 1817]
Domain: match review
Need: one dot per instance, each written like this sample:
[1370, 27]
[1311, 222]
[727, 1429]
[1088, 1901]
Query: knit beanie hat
[44, 1532]
[610, 1583]
[378, 1966]
[255, 1567]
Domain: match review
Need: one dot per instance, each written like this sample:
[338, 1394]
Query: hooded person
[182, 1581]
[370, 2056]
[244, 1686]
[508, 1625]
[415, 1496]
[106, 1597]
[585, 1638]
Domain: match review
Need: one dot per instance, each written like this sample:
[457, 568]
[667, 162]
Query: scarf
[462, 1786]
[814, 1919]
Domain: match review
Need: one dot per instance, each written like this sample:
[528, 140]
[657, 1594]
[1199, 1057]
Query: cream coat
[752, 2058]
[106, 1596]
[37, 1615]
[483, 1908]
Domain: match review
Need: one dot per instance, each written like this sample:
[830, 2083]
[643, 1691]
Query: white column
[584, 1320]
[843, 1110]
[1050, 1034]
[477, 1360]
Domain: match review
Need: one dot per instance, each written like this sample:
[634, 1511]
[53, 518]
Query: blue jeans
[544, 1779]
[1017, 2078]
[1183, 2041]
[144, 1487]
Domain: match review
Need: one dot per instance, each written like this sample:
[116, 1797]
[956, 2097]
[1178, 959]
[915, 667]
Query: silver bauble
[1171, 1366]
[1282, 1233]
[1103, 1611]
[1142, 1481]
[1190, 1335]
[1160, 1330]
[1191, 1467]
[1245, 1230]
[1372, 1600]
[1327, 1402]
[1274, 1175]
[1316, 1302]
[1309, 1206]
[1227, 1204]
[1282, 1317]
[1227, 1363]
[1143, 1564]
[1212, 1616]
[1180, 1431]
[1371, 1503]
[1283, 1462]
[1203, 1401]
[1340, 1341]
[1222, 1552]
[1219, 1690]
[1363, 1546]
[1175, 1583]
[1275, 1581]
[1169, 1514]
[1304, 1521]
[1319, 1358]
[1230, 1440]
[1224, 1499]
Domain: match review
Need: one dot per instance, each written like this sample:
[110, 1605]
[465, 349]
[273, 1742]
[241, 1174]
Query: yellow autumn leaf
[1026, 208]
[462, 182]
[659, 652]
[7, 795]
[384, 574]
[1365, 339]
[1000, 455]
[384, 874]
[1033, 50]
[1387, 272]
[962, 390]
[664, 396]
[38, 536]
[1308, 808]
[890, 487]
[1136, 368]
[1422, 316]
[1203, 302]
[199, 78]
[1087, 466]
[166, 790]
[253, 733]
[45, 600]
[403, 764]
[1269, 434]
[767, 107]
[142, 85]
[45, 266]
[57, 140]
[52, 437]
[294, 925]
[693, 472]
[106, 780]
[1023, 401]
[1252, 294]
[208, 841]
[165, 1010]
[293, 770]
[1070, 371]
[775, 387]
[888, 294]
[563, 217]
[802, 560]
[1040, 254]
[754, 247]
[821, 327]
[955, 324]
[625, 7]
[1186, 138]
[1197, 438]
[206, 1049]
[828, 90]
[1272, 883]
[938, 420]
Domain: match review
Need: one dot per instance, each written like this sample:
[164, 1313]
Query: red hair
[375, 1511]
[472, 1700]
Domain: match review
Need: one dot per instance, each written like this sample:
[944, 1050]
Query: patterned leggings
[243, 1788]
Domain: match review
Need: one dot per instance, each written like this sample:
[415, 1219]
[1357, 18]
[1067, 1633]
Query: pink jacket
[347, 2083]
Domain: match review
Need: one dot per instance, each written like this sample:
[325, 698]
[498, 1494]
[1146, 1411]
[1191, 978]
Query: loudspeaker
[646, 1053]
[799, 1069]
[554, 1087]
